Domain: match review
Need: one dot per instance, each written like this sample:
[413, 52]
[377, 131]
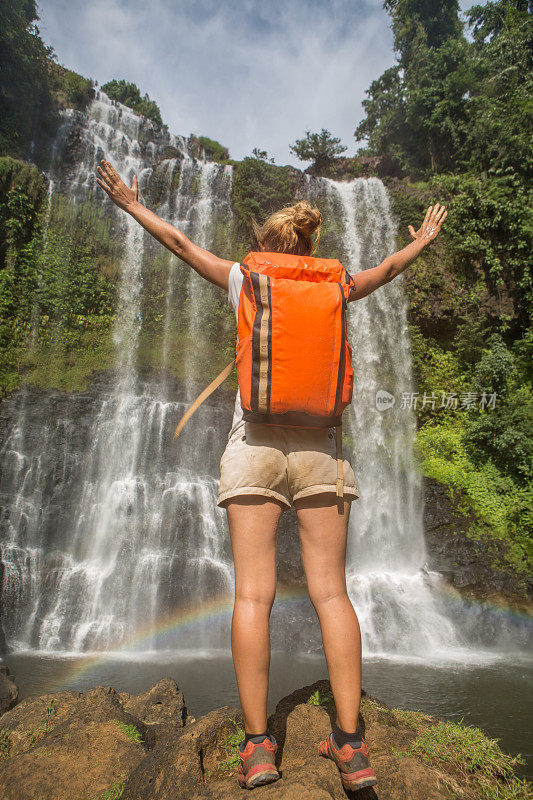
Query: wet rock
[163, 706]
[345, 168]
[468, 564]
[47, 435]
[5, 649]
[182, 767]
[289, 558]
[82, 745]
[74, 744]
[8, 690]
[79, 752]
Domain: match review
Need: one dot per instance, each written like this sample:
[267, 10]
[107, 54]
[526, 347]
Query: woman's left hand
[123, 196]
[429, 229]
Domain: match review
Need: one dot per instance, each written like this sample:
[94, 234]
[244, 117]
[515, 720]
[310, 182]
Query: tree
[385, 126]
[318, 147]
[437, 20]
[450, 104]
[262, 155]
[499, 109]
[26, 106]
[416, 111]
[129, 95]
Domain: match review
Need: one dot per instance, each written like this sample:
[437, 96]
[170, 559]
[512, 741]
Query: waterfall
[109, 526]
[144, 534]
[385, 574]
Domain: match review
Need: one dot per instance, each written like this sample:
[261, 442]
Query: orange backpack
[293, 358]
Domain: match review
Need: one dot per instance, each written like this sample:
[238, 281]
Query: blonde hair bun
[305, 218]
[290, 229]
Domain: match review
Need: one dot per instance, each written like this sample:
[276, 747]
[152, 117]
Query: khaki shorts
[281, 462]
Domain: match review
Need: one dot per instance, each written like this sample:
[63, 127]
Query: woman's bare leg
[323, 533]
[253, 524]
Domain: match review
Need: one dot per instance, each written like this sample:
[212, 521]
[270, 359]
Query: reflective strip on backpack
[261, 344]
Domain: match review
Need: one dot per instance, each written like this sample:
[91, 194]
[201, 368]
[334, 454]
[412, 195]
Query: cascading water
[386, 551]
[212, 206]
[145, 533]
[110, 526]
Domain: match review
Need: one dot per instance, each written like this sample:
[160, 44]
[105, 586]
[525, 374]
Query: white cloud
[246, 73]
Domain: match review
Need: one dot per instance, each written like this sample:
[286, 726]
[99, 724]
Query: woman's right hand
[429, 229]
[123, 196]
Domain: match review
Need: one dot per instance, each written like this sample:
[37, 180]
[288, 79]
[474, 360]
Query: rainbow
[495, 606]
[163, 631]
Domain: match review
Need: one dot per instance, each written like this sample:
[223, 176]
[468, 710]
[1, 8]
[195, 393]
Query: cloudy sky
[244, 72]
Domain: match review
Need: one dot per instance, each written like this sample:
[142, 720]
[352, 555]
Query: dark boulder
[8, 690]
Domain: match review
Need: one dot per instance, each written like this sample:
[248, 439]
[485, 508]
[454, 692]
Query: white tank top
[234, 290]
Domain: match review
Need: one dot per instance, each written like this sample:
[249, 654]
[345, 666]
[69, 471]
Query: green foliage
[5, 744]
[438, 21]
[469, 753]
[484, 457]
[492, 371]
[491, 235]
[231, 746]
[506, 436]
[451, 104]
[259, 189]
[57, 286]
[480, 261]
[385, 125]
[33, 86]
[471, 334]
[22, 193]
[438, 371]
[413, 719]
[320, 148]
[203, 147]
[115, 791]
[63, 359]
[129, 95]
[523, 353]
[262, 155]
[481, 488]
[324, 699]
[500, 107]
[70, 90]
[26, 176]
[133, 734]
[489, 369]
[26, 105]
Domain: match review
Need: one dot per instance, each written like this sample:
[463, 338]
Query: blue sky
[247, 73]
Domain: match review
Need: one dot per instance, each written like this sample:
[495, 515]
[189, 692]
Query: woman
[263, 469]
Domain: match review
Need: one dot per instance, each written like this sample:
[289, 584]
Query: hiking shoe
[256, 765]
[353, 764]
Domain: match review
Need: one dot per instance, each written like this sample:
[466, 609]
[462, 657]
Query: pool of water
[492, 692]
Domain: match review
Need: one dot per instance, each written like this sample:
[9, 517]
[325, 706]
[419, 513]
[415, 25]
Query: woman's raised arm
[211, 267]
[368, 280]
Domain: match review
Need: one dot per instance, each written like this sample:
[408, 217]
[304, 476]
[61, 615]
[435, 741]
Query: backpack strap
[340, 471]
[201, 397]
